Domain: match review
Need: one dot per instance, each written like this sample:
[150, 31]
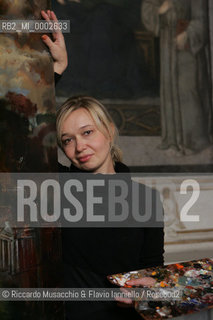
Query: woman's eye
[66, 141]
[86, 133]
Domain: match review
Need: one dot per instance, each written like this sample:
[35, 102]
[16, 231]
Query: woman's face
[86, 146]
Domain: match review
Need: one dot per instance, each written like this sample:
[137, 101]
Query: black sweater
[90, 254]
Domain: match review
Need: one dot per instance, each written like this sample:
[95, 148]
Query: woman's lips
[85, 158]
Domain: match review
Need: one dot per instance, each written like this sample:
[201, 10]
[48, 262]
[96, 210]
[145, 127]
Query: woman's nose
[80, 145]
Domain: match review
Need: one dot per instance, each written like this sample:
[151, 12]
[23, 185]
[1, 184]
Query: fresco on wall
[106, 59]
[185, 78]
[114, 58]
[151, 67]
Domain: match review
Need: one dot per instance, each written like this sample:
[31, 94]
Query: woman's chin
[86, 167]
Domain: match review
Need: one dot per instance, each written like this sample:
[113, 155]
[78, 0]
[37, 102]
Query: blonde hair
[100, 116]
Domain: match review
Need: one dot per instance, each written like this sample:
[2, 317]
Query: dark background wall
[106, 58]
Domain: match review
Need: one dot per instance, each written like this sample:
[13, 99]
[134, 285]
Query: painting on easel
[27, 144]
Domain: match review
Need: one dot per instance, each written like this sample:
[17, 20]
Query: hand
[146, 281]
[181, 40]
[165, 7]
[56, 46]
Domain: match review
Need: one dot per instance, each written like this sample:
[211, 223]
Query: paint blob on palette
[194, 278]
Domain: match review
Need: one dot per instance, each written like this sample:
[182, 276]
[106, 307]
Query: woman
[87, 134]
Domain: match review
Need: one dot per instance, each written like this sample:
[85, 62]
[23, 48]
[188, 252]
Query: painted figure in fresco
[182, 26]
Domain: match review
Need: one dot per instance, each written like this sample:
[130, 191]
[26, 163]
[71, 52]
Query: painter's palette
[195, 278]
